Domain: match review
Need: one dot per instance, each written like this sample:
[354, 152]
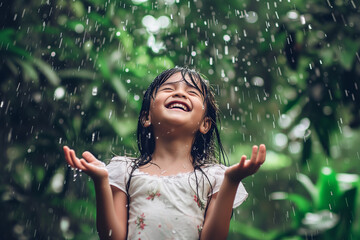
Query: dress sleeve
[218, 172]
[118, 169]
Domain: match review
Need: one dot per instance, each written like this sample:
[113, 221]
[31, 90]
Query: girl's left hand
[245, 167]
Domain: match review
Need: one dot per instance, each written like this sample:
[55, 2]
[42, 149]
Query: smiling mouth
[178, 106]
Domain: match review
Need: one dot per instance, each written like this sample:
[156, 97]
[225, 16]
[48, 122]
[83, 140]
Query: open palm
[246, 167]
[88, 164]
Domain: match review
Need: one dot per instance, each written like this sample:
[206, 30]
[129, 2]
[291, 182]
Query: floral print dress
[167, 207]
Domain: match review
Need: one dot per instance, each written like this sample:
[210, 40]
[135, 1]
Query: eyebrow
[186, 81]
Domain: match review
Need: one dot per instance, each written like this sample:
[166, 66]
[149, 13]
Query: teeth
[178, 105]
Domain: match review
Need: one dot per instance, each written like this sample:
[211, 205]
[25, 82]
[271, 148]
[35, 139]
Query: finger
[76, 161]
[67, 156]
[262, 154]
[89, 166]
[89, 157]
[254, 154]
[242, 161]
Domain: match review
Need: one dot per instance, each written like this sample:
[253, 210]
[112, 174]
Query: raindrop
[226, 38]
[74, 174]
[252, 17]
[281, 140]
[307, 134]
[257, 81]
[59, 93]
[94, 91]
[294, 147]
[64, 224]
[79, 28]
[328, 2]
[302, 20]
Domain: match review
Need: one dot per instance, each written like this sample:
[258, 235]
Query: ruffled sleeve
[119, 171]
[217, 172]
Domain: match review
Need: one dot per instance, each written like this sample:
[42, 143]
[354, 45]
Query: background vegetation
[286, 74]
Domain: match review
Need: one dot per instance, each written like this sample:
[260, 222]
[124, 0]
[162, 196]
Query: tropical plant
[331, 211]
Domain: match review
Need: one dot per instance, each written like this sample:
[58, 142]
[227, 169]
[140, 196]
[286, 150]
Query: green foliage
[331, 211]
[286, 73]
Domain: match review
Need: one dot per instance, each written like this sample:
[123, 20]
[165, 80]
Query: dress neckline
[177, 175]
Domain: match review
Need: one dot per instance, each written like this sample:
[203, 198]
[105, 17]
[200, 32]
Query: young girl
[176, 188]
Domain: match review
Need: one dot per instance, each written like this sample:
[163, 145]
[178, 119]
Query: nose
[180, 93]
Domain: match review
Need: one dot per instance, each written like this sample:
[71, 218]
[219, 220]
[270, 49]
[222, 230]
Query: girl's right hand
[88, 164]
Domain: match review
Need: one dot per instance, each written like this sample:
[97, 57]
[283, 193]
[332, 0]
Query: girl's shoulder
[121, 164]
[119, 169]
[214, 168]
[122, 159]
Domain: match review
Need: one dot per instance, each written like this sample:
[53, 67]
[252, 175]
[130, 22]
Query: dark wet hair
[206, 149]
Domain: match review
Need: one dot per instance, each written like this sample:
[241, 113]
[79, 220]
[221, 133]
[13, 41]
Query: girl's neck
[173, 149]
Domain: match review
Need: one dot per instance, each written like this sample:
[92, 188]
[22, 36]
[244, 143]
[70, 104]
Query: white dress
[167, 207]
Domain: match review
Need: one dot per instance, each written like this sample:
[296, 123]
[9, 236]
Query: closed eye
[194, 93]
[167, 89]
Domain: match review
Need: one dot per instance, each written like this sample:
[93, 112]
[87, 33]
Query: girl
[175, 189]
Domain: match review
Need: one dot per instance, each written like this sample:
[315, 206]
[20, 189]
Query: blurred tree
[73, 72]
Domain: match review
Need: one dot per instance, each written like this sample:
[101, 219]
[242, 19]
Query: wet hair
[206, 148]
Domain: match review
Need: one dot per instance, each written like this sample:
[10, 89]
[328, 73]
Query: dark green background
[286, 73]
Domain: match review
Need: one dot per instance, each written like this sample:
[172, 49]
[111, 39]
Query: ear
[205, 125]
[145, 119]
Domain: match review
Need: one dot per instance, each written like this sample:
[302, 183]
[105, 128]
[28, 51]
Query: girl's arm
[217, 220]
[111, 211]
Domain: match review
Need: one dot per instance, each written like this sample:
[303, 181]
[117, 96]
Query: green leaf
[328, 188]
[302, 203]
[347, 54]
[249, 231]
[46, 69]
[347, 210]
[309, 186]
[75, 73]
[104, 67]
[323, 134]
[318, 222]
[292, 103]
[127, 41]
[100, 19]
[29, 73]
[306, 151]
[119, 88]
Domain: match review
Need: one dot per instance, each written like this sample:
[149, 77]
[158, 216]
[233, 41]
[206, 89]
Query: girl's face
[178, 105]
